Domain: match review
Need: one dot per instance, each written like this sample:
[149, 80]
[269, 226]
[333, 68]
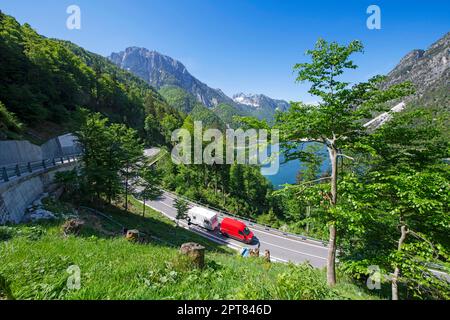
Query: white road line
[234, 246]
[293, 240]
[271, 234]
[299, 252]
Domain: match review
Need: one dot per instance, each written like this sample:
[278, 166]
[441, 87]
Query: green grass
[35, 258]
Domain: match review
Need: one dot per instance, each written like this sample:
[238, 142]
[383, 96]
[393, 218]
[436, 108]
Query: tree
[148, 185]
[100, 167]
[336, 121]
[182, 207]
[130, 156]
[110, 155]
[401, 199]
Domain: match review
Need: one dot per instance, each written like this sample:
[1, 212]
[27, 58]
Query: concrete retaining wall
[18, 151]
[16, 195]
[12, 152]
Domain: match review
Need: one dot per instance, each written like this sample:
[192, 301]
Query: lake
[288, 171]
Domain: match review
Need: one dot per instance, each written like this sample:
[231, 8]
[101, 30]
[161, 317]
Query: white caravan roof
[203, 212]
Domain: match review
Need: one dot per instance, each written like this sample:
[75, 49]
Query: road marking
[299, 252]
[258, 230]
[268, 243]
[213, 237]
[293, 240]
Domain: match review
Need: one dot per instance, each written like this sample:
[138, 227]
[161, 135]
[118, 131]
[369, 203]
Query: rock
[132, 235]
[267, 255]
[428, 70]
[72, 226]
[41, 214]
[195, 253]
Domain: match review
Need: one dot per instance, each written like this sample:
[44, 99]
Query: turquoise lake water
[288, 171]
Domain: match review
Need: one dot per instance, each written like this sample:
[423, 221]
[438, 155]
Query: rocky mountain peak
[428, 70]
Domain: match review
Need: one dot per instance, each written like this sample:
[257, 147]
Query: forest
[384, 200]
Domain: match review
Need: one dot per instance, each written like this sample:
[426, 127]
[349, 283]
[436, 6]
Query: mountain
[167, 74]
[44, 81]
[159, 70]
[429, 71]
[260, 101]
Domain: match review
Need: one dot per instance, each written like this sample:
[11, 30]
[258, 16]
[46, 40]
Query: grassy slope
[34, 260]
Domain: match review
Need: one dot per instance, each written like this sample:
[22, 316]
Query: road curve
[282, 248]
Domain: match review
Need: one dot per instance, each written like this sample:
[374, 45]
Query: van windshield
[246, 231]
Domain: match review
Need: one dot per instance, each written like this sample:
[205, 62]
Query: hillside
[162, 71]
[159, 70]
[113, 268]
[429, 71]
[43, 82]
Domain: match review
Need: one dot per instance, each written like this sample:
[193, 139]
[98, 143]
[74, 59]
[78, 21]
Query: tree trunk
[126, 190]
[331, 258]
[143, 209]
[404, 232]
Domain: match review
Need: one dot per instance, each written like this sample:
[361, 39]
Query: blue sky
[240, 45]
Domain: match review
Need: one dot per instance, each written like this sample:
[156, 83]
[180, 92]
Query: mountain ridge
[428, 70]
[160, 71]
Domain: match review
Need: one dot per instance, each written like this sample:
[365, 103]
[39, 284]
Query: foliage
[48, 79]
[115, 268]
[110, 157]
[179, 98]
[148, 183]
[404, 187]
[8, 120]
[228, 114]
[182, 207]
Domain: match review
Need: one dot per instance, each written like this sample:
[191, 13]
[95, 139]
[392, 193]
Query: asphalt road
[282, 248]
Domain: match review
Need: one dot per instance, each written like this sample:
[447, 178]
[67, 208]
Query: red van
[236, 229]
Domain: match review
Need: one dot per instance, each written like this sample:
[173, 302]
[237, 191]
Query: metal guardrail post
[62, 160]
[30, 169]
[44, 165]
[5, 174]
[17, 170]
[54, 162]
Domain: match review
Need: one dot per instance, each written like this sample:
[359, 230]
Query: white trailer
[203, 217]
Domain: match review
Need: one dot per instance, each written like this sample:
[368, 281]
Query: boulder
[195, 253]
[267, 255]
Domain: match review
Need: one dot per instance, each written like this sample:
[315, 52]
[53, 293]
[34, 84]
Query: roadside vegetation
[35, 259]
[384, 202]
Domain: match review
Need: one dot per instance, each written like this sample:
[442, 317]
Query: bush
[303, 282]
[8, 120]
[6, 233]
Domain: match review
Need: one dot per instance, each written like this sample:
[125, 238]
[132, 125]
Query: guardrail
[19, 169]
[249, 221]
